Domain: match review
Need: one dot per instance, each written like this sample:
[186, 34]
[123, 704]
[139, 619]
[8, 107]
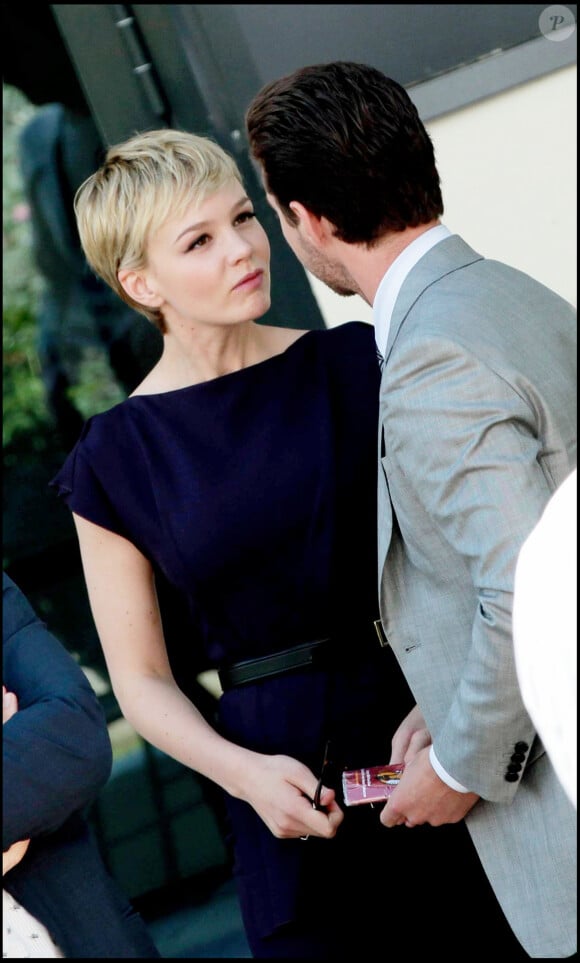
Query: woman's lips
[250, 281]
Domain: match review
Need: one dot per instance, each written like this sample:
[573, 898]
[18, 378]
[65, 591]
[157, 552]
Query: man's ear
[136, 285]
[317, 230]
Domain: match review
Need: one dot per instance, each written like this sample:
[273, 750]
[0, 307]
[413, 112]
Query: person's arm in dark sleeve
[57, 753]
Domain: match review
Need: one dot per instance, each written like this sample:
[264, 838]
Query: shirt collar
[392, 282]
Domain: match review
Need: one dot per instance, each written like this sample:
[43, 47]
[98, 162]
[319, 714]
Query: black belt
[316, 654]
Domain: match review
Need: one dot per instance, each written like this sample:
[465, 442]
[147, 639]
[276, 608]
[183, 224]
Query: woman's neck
[201, 354]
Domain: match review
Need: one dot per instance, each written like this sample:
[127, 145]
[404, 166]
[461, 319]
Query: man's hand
[14, 854]
[411, 736]
[422, 797]
[9, 704]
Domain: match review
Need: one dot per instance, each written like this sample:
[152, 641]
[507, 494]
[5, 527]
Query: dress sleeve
[85, 482]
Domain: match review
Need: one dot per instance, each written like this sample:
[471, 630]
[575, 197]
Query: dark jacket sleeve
[57, 753]
[62, 881]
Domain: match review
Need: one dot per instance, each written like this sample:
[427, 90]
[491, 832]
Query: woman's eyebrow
[202, 224]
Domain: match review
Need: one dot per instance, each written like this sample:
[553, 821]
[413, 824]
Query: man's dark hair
[347, 142]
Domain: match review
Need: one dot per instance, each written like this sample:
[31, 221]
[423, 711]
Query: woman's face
[211, 264]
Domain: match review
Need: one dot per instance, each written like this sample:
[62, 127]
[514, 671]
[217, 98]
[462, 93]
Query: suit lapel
[448, 256]
[384, 509]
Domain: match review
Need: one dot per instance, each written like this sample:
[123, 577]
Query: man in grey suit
[477, 429]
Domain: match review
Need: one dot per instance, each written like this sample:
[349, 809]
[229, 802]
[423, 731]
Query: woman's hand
[281, 790]
[14, 854]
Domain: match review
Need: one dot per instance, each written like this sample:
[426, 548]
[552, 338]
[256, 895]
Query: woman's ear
[136, 285]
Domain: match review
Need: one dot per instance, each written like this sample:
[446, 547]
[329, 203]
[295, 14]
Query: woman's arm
[121, 587]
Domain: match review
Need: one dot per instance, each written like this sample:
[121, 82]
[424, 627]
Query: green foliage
[26, 420]
[96, 390]
[24, 409]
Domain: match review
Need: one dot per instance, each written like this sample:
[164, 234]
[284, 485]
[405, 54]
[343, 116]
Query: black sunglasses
[320, 783]
[318, 790]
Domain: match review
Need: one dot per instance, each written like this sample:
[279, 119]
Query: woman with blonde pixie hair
[117, 212]
[242, 469]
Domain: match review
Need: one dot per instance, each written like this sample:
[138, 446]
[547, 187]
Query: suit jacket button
[521, 747]
[518, 757]
[511, 777]
[514, 767]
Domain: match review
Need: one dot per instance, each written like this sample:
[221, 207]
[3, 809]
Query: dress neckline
[229, 375]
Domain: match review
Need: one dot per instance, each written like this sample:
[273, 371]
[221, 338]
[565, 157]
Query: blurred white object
[545, 630]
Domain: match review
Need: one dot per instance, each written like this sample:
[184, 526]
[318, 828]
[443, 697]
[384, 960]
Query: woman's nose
[239, 248]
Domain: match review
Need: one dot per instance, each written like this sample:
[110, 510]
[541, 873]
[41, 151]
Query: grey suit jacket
[477, 429]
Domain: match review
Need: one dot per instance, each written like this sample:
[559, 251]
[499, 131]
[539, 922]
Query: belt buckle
[383, 641]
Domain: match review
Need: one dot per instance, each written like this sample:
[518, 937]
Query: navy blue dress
[254, 494]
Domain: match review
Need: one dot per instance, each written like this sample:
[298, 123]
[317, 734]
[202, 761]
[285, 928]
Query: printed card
[374, 784]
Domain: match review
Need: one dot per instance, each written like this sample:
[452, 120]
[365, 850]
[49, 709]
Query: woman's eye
[198, 242]
[244, 216]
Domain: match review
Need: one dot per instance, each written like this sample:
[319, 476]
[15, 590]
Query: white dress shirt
[383, 305]
[391, 284]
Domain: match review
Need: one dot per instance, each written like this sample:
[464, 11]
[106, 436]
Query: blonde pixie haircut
[143, 181]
